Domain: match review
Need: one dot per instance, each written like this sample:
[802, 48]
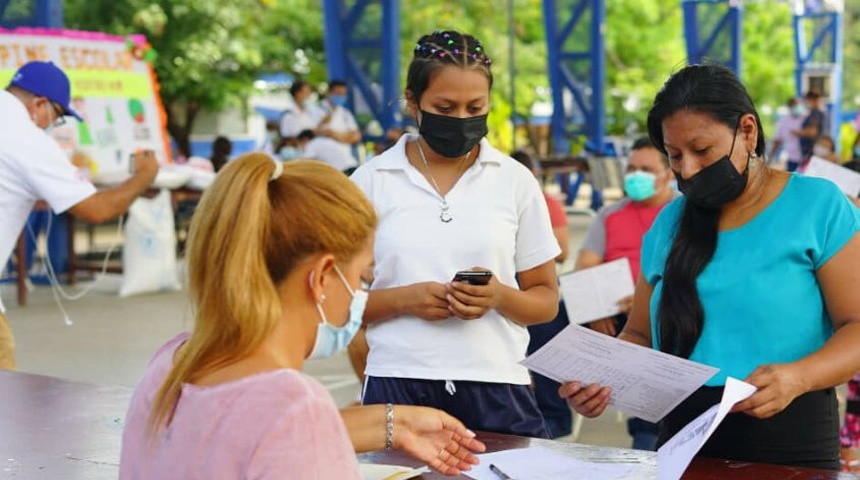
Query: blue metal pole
[390, 108]
[597, 122]
[333, 38]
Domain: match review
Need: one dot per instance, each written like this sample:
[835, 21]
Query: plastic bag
[149, 252]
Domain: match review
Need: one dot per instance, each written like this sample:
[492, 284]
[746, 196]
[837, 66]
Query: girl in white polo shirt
[447, 201]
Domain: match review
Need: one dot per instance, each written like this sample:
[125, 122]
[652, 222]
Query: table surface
[644, 463]
[57, 429]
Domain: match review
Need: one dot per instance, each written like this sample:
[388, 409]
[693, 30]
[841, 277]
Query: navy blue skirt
[490, 407]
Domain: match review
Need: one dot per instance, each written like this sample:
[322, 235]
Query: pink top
[624, 231]
[557, 217]
[278, 424]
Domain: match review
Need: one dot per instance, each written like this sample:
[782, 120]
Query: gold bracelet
[389, 426]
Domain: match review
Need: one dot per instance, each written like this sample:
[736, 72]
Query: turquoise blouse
[760, 295]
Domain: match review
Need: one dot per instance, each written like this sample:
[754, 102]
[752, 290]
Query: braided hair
[440, 49]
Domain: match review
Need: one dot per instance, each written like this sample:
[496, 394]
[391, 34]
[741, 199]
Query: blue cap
[44, 79]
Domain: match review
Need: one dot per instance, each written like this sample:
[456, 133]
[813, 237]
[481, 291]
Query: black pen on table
[501, 474]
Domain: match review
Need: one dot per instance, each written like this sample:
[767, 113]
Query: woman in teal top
[754, 271]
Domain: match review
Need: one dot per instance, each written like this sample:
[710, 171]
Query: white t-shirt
[341, 121]
[294, 121]
[500, 222]
[329, 151]
[32, 167]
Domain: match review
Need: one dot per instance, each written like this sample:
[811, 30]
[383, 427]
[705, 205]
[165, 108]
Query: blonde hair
[247, 234]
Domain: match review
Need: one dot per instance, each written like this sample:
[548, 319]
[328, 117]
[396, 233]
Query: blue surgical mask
[288, 153]
[308, 104]
[640, 185]
[797, 110]
[857, 151]
[339, 100]
[331, 339]
[673, 185]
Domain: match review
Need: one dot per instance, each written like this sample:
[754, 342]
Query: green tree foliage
[208, 52]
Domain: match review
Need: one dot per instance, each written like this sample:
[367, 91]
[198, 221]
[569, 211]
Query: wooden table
[645, 463]
[54, 429]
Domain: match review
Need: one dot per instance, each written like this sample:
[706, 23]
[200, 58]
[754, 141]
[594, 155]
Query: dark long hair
[715, 91]
[440, 49]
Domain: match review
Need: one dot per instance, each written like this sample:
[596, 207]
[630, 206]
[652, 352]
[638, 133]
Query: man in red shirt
[617, 232]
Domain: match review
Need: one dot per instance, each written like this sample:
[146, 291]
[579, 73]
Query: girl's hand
[588, 401]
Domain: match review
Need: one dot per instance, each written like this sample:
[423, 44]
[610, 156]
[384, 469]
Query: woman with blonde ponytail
[275, 257]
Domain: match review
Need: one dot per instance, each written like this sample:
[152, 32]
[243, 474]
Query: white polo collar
[396, 159]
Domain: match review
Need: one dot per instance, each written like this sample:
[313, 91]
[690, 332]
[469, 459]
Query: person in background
[617, 232]
[786, 138]
[812, 126]
[434, 341]
[556, 413]
[300, 116]
[825, 148]
[229, 400]
[849, 434]
[335, 121]
[752, 271]
[326, 150]
[222, 147]
[33, 167]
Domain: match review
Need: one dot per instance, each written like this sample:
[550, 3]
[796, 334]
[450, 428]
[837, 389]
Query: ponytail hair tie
[279, 169]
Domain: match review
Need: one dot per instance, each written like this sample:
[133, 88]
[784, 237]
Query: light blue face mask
[331, 339]
[857, 151]
[339, 100]
[640, 185]
[288, 153]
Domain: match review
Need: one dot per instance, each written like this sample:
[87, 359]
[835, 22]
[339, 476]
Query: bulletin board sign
[113, 88]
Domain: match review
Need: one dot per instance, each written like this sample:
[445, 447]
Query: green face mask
[640, 185]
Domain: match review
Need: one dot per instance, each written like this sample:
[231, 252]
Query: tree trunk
[179, 130]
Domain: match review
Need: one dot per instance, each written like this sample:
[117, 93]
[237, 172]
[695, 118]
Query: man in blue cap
[33, 167]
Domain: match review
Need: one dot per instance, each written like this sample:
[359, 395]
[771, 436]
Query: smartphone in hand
[473, 277]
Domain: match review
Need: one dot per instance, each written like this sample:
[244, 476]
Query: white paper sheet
[645, 383]
[847, 180]
[371, 471]
[593, 293]
[676, 454]
[542, 463]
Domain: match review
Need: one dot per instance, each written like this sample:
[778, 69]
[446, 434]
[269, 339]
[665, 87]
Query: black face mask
[452, 137]
[716, 184]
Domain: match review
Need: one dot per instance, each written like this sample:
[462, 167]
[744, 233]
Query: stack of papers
[593, 293]
[541, 463]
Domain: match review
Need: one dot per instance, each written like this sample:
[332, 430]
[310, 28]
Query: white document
[847, 180]
[542, 463]
[370, 471]
[593, 293]
[676, 454]
[645, 383]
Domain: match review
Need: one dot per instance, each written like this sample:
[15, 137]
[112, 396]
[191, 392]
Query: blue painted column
[362, 42]
[575, 35]
[818, 40]
[712, 31]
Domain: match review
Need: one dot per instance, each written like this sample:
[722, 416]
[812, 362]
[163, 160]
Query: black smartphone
[473, 277]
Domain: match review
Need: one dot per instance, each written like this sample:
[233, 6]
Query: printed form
[645, 383]
[593, 293]
[847, 180]
[676, 454]
[542, 463]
